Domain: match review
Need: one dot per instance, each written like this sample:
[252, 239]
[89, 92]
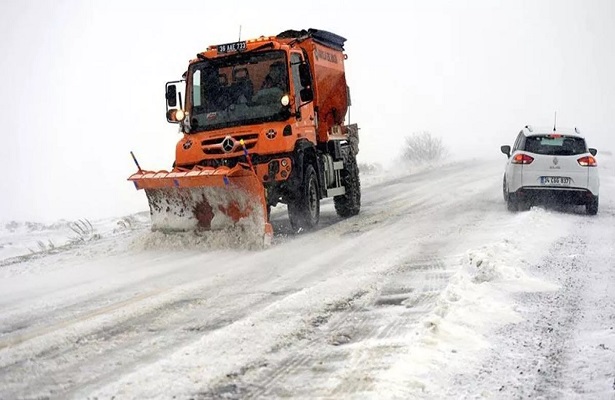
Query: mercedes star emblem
[228, 144]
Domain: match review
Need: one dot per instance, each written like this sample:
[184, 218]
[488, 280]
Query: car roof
[529, 130]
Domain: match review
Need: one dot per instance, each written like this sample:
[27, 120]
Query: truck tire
[304, 209]
[349, 204]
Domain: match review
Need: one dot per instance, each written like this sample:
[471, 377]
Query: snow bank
[477, 300]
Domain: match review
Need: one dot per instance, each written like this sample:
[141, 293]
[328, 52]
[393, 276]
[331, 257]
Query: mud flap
[206, 198]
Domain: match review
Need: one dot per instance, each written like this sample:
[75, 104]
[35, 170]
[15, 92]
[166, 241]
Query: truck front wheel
[304, 209]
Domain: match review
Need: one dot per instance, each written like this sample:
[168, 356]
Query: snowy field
[433, 291]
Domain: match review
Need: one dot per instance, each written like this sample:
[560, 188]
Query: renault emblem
[228, 144]
[555, 161]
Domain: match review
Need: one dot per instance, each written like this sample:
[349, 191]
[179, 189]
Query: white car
[549, 165]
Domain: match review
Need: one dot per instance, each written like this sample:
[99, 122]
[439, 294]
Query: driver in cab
[274, 85]
[275, 77]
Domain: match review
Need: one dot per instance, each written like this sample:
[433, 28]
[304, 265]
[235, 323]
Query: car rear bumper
[541, 194]
[530, 177]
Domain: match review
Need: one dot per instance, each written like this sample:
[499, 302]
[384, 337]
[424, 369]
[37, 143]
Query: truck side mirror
[171, 95]
[593, 152]
[506, 150]
[304, 75]
[306, 95]
[175, 105]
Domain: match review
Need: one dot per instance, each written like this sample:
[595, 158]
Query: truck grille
[214, 146]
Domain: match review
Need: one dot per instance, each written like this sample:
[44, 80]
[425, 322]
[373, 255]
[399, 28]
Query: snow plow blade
[205, 198]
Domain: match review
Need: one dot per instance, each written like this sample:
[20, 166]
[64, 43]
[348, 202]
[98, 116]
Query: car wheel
[504, 192]
[511, 202]
[592, 206]
[523, 205]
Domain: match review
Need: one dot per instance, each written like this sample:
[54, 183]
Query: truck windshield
[240, 89]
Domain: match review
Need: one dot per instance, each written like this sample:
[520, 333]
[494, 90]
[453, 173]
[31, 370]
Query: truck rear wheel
[304, 209]
[349, 204]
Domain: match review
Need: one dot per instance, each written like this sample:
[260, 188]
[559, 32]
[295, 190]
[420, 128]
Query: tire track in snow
[564, 310]
[124, 339]
[353, 314]
[342, 325]
[127, 343]
[294, 364]
[360, 322]
[15, 339]
[545, 355]
[399, 309]
[130, 333]
[132, 339]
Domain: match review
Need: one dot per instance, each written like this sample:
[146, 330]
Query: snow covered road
[433, 291]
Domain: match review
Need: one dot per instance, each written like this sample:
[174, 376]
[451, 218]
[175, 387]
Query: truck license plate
[230, 47]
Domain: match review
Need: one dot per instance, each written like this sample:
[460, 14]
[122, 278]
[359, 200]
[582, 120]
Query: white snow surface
[434, 290]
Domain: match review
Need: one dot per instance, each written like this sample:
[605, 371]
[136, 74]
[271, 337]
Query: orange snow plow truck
[263, 123]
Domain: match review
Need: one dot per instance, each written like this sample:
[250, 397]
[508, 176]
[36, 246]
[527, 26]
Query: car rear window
[556, 145]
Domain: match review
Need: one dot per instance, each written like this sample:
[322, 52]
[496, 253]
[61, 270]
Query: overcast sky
[84, 82]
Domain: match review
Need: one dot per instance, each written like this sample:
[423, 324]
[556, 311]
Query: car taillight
[587, 161]
[522, 159]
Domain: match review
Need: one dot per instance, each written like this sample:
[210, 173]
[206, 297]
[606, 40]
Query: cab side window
[295, 61]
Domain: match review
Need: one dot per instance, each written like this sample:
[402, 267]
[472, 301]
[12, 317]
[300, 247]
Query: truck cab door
[304, 110]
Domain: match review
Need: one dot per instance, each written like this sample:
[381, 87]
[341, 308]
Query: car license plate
[555, 180]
